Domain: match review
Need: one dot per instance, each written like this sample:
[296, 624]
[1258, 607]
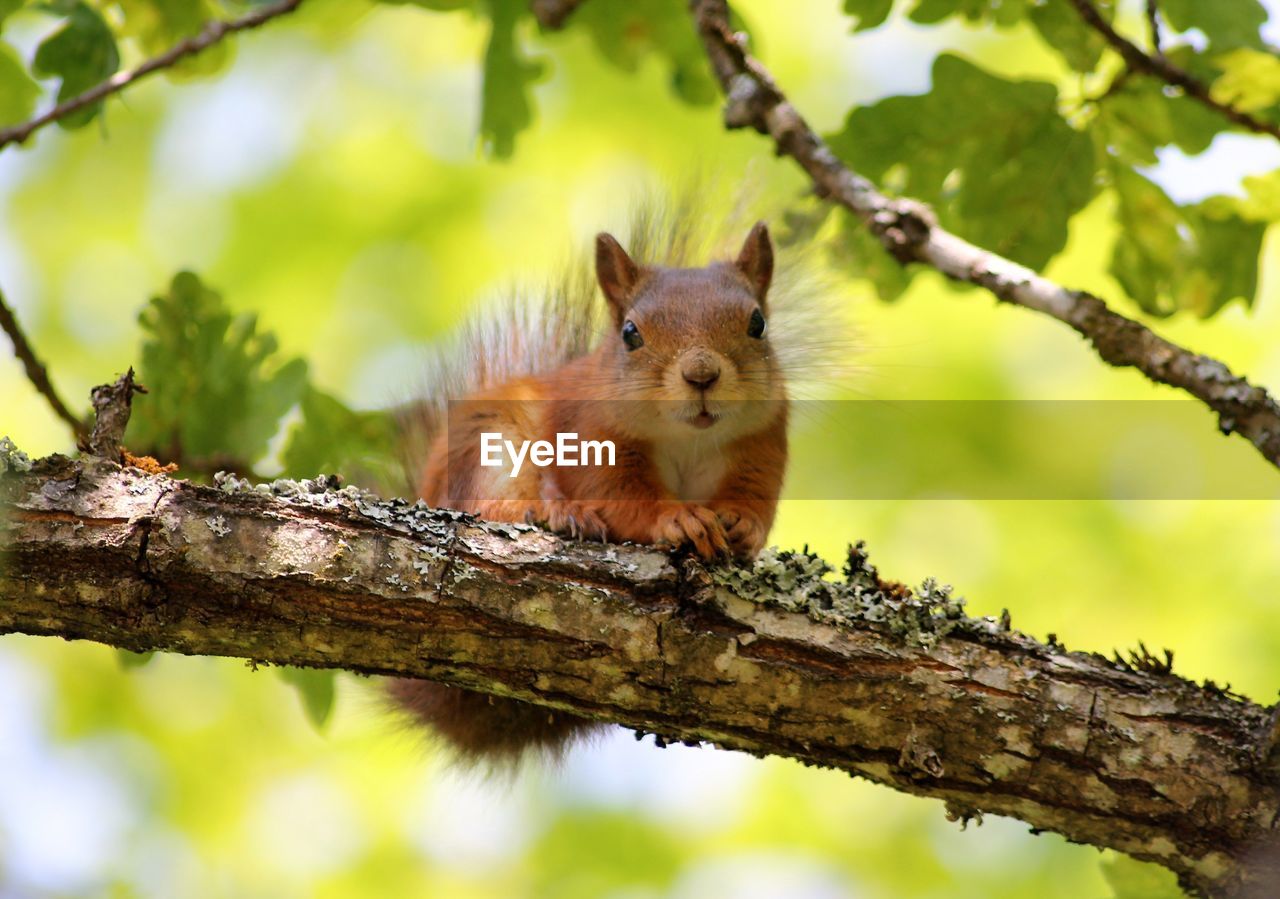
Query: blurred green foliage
[506, 108]
[992, 156]
[217, 391]
[315, 689]
[1140, 118]
[331, 438]
[322, 178]
[20, 91]
[81, 52]
[626, 33]
[1228, 24]
[1172, 257]
[1005, 161]
[1132, 880]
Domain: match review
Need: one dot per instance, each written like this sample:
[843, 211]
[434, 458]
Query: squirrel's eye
[755, 328]
[631, 336]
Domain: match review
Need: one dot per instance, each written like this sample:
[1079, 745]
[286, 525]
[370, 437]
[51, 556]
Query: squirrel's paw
[695, 525]
[516, 510]
[745, 532]
[577, 520]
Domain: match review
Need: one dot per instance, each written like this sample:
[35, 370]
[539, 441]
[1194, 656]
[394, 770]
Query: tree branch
[1153, 27]
[860, 675]
[909, 231]
[212, 33]
[552, 14]
[1158, 65]
[37, 374]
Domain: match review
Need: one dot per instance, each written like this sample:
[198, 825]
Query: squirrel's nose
[701, 371]
[703, 382]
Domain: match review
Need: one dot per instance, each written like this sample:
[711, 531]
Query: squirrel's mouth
[704, 419]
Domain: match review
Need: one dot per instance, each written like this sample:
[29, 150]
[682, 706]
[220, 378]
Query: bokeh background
[328, 178]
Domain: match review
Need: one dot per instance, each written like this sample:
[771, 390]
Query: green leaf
[852, 246]
[506, 107]
[217, 388]
[628, 31]
[868, 14]
[1000, 12]
[129, 660]
[1170, 258]
[1250, 80]
[1064, 32]
[992, 156]
[82, 52]
[860, 251]
[9, 7]
[159, 24]
[1262, 198]
[18, 93]
[1226, 23]
[802, 221]
[334, 439]
[315, 688]
[1060, 26]
[1140, 118]
[1132, 879]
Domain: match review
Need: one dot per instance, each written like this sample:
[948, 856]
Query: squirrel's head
[694, 339]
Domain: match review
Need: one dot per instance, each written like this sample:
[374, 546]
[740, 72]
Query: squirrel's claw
[746, 533]
[589, 527]
[581, 522]
[694, 525]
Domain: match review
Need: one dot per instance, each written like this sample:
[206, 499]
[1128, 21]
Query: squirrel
[684, 383]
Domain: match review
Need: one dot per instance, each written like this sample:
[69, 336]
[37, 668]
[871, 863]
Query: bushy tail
[485, 730]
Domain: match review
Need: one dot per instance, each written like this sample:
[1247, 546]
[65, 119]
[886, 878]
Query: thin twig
[1159, 66]
[212, 33]
[35, 369]
[551, 14]
[909, 231]
[112, 405]
[1153, 26]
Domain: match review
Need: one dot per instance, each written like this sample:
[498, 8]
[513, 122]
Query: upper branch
[858, 675]
[36, 372]
[1158, 65]
[212, 33]
[552, 14]
[910, 233]
[1153, 27]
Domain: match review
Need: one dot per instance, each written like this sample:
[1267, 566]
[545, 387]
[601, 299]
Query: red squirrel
[689, 391]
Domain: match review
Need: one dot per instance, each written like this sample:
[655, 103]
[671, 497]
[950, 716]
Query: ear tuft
[617, 274]
[756, 259]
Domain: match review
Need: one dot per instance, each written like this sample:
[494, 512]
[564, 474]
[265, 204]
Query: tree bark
[863, 675]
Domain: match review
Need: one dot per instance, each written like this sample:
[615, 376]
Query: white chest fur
[691, 469]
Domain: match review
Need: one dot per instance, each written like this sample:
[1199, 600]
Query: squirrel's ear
[756, 259]
[616, 272]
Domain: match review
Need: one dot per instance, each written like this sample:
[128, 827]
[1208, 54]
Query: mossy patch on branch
[12, 458]
[800, 582]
